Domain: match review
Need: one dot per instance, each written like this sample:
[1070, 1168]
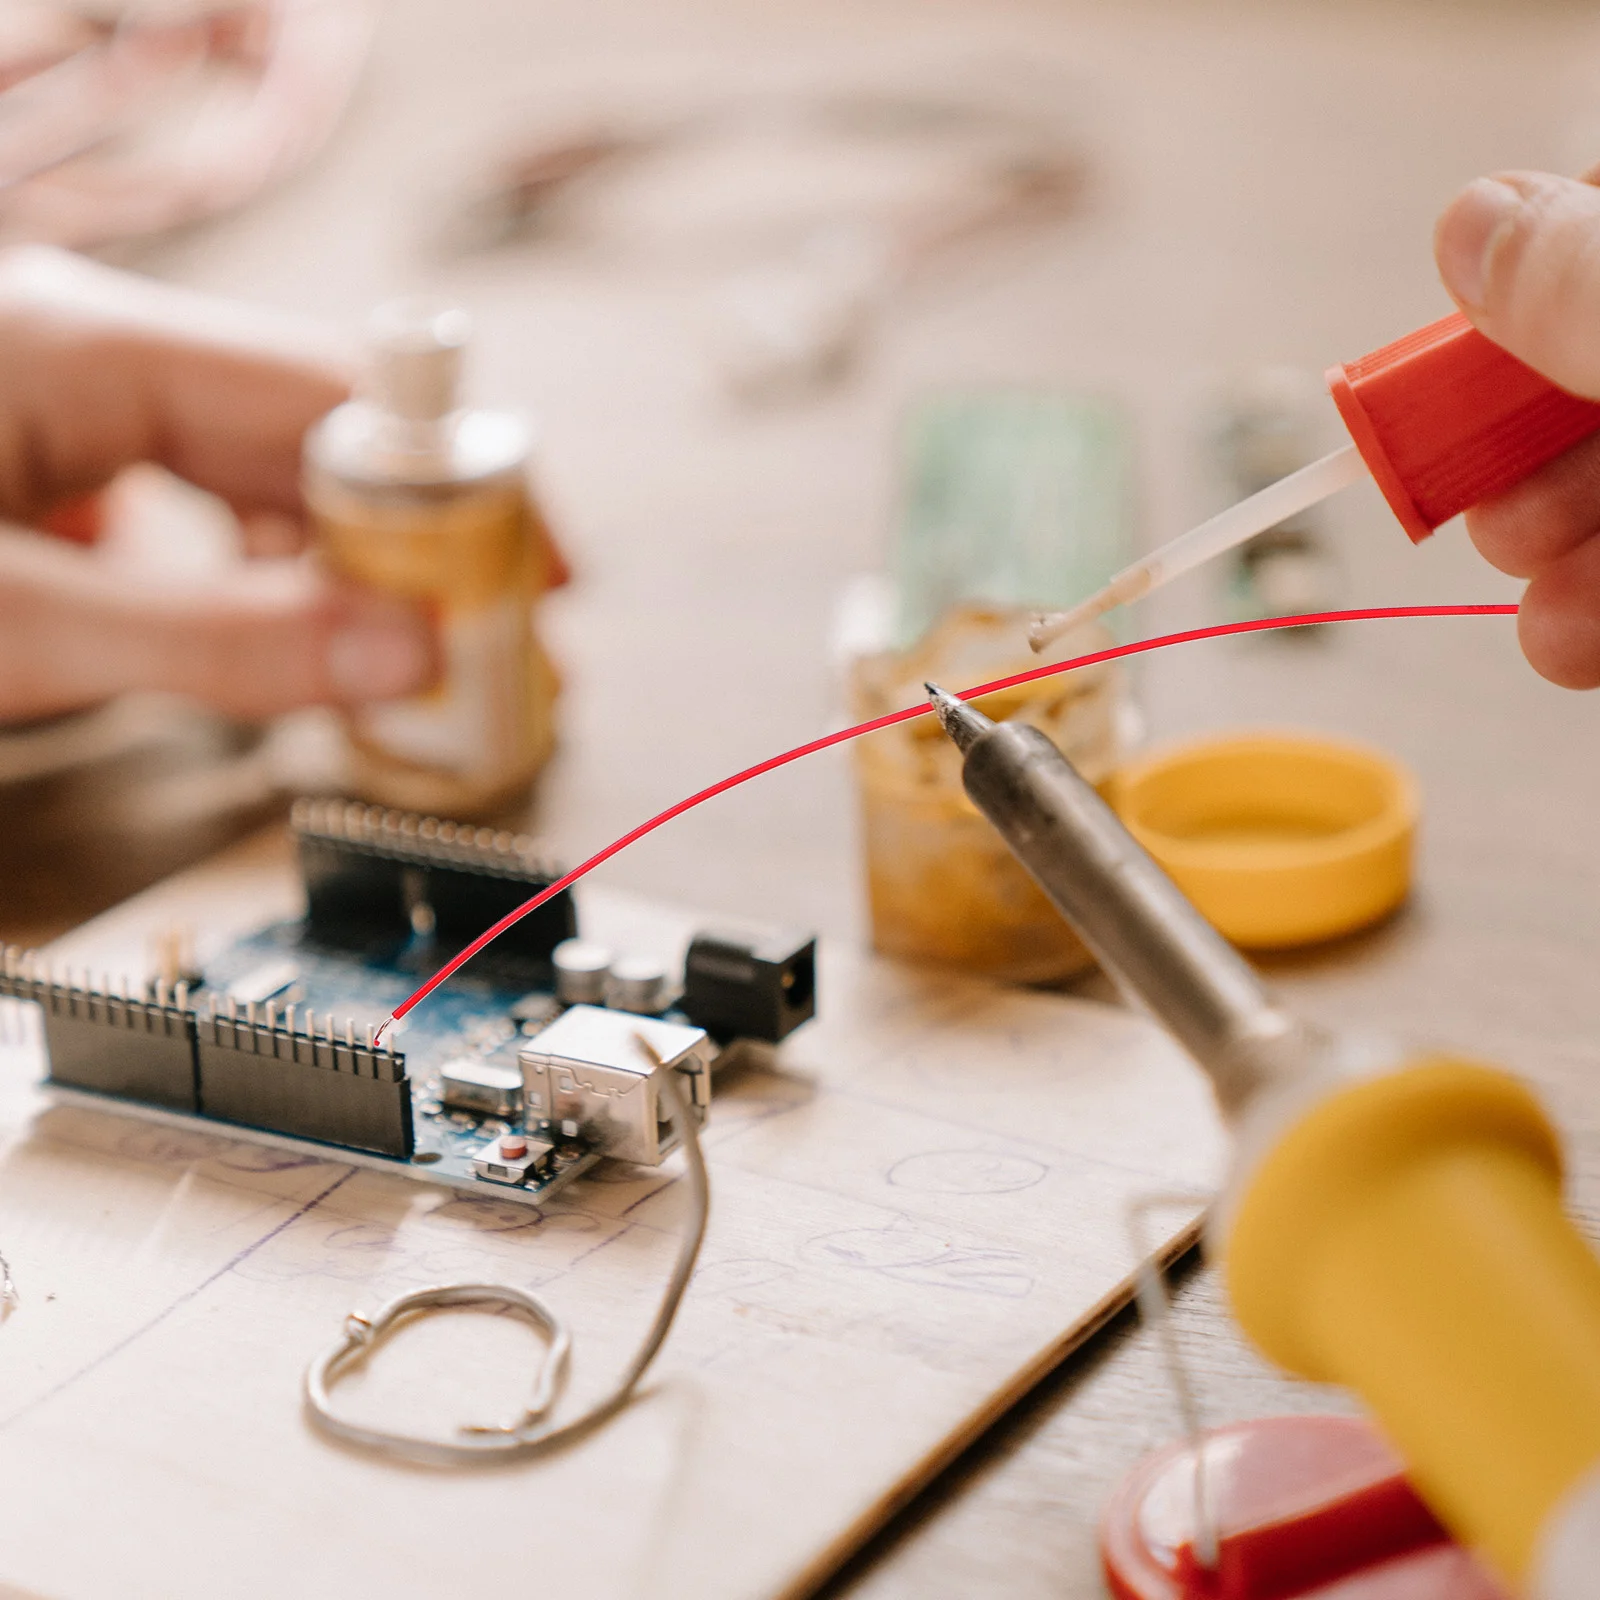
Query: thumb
[279, 637]
[275, 636]
[1520, 252]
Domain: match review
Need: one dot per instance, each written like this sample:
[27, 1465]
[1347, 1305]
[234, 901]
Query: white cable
[1155, 1309]
[530, 1434]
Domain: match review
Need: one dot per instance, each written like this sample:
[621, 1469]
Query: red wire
[1115, 653]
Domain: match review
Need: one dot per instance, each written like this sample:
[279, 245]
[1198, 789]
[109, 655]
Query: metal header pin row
[296, 1032]
[22, 969]
[376, 825]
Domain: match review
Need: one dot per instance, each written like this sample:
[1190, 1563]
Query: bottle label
[477, 721]
[473, 560]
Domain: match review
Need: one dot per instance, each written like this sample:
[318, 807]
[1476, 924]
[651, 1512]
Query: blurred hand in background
[99, 371]
[1520, 252]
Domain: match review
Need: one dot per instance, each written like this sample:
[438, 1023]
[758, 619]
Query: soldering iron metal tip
[957, 718]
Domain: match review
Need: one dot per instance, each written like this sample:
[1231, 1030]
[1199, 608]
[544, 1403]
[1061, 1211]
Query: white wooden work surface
[1265, 174]
[917, 1211]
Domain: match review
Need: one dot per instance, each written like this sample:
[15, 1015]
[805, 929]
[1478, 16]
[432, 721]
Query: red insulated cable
[1114, 653]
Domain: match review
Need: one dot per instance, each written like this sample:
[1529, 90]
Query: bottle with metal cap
[417, 495]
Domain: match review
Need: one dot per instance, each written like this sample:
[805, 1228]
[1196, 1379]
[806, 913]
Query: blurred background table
[1261, 180]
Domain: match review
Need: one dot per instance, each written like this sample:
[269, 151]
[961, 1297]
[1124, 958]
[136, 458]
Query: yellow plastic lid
[1280, 839]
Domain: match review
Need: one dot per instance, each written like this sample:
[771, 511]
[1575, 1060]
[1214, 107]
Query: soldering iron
[1393, 1219]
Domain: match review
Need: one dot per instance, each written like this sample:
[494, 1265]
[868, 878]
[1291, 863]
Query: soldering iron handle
[1405, 1236]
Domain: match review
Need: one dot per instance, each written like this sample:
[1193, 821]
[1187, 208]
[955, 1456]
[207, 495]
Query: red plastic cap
[1445, 418]
[1312, 1507]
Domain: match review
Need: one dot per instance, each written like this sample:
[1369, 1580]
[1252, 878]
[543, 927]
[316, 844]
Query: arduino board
[542, 1058]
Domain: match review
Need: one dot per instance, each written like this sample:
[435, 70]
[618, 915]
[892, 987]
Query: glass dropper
[1265, 509]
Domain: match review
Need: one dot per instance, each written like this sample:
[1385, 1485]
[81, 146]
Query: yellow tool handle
[1405, 1237]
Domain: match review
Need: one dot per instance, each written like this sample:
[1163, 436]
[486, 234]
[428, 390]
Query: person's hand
[1520, 253]
[100, 370]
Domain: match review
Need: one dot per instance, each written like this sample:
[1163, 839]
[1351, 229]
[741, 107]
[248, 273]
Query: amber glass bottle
[423, 498]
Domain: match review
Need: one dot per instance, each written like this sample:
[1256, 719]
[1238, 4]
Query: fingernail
[1468, 233]
[375, 661]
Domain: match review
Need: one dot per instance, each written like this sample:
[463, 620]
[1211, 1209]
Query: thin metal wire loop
[529, 1434]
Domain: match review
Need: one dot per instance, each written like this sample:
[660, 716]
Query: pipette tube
[1265, 509]
[1443, 419]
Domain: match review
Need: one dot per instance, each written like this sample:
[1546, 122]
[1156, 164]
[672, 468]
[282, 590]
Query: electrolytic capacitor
[581, 969]
[638, 983]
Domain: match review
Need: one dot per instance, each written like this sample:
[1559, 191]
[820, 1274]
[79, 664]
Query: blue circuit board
[470, 1016]
[277, 1035]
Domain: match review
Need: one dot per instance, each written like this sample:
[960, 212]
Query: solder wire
[827, 741]
[524, 1437]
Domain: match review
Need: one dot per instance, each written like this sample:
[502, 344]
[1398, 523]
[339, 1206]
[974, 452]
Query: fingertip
[1558, 627]
[1467, 235]
[1518, 253]
[277, 637]
[1497, 529]
[1545, 518]
[270, 535]
[381, 657]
